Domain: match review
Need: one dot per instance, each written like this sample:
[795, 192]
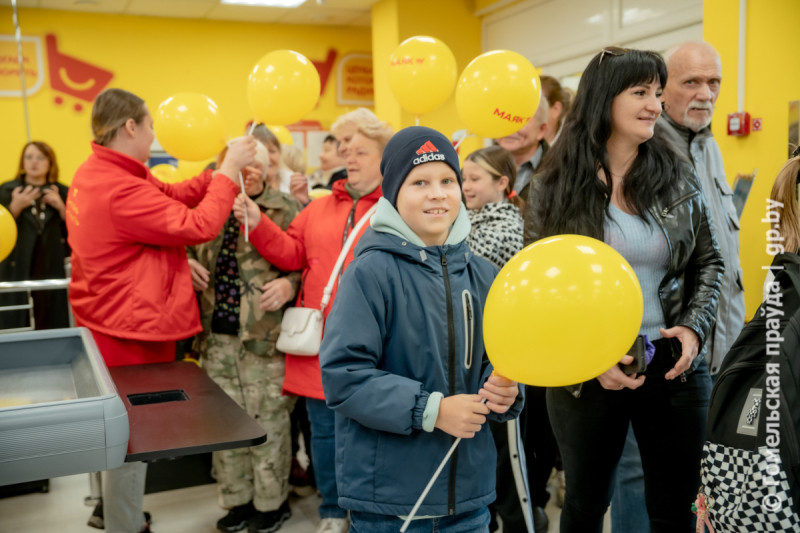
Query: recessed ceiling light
[265, 3]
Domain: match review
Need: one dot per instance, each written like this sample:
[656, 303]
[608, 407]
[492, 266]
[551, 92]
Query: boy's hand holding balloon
[500, 393]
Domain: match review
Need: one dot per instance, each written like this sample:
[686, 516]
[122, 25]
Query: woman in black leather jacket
[609, 179]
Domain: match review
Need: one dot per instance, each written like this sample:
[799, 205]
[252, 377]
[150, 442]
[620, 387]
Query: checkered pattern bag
[739, 498]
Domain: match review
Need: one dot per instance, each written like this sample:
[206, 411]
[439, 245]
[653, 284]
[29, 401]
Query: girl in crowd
[37, 201]
[609, 179]
[131, 283]
[241, 308]
[331, 164]
[403, 382]
[494, 207]
[559, 100]
[496, 235]
[312, 244]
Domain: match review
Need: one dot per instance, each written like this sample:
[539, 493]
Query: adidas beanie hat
[409, 148]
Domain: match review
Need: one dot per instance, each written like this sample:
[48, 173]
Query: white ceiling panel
[170, 8]
[94, 6]
[310, 13]
[362, 20]
[363, 5]
[246, 13]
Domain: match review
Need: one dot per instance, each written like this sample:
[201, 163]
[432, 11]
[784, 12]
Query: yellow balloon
[8, 233]
[578, 303]
[283, 87]
[189, 169]
[319, 193]
[282, 133]
[497, 94]
[189, 126]
[422, 74]
[166, 173]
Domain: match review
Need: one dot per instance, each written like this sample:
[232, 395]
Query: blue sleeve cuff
[418, 413]
[431, 411]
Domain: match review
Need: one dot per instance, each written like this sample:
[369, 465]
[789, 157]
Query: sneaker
[237, 518]
[271, 521]
[97, 520]
[333, 525]
[299, 481]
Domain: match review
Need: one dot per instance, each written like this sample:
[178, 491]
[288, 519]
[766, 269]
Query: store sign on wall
[68, 75]
[10, 83]
[354, 85]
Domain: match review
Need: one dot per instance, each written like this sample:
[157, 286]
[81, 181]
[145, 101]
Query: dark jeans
[669, 421]
[476, 521]
[323, 454]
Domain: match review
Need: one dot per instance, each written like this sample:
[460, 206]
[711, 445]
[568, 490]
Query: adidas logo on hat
[426, 152]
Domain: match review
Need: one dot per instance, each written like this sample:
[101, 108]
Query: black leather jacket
[690, 290]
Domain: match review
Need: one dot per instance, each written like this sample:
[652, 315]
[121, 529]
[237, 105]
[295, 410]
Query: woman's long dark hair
[571, 199]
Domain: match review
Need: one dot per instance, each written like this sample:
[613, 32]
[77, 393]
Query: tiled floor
[192, 510]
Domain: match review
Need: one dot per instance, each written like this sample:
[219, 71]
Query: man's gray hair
[697, 43]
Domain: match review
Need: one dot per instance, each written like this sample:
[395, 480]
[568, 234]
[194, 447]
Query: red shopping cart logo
[74, 77]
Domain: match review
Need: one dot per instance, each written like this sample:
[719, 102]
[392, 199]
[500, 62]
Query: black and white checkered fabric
[743, 494]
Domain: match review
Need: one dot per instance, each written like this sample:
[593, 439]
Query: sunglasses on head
[614, 51]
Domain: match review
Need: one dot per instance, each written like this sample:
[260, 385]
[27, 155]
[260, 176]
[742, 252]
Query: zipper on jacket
[469, 328]
[666, 210]
[451, 371]
[350, 223]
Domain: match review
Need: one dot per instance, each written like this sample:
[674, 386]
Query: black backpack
[754, 408]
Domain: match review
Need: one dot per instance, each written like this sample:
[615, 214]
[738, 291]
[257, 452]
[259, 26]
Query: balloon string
[252, 126]
[461, 140]
[417, 119]
[430, 483]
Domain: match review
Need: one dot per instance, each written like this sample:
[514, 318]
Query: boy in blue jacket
[403, 360]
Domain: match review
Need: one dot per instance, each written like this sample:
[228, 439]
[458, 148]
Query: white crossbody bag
[301, 328]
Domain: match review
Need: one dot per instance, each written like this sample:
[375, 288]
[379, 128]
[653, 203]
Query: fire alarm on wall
[738, 124]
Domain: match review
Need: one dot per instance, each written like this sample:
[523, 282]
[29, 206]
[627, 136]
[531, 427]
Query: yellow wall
[452, 21]
[155, 58]
[772, 80]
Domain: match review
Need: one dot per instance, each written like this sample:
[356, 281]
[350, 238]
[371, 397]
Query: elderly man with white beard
[693, 85]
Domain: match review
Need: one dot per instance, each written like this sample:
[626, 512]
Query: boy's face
[429, 200]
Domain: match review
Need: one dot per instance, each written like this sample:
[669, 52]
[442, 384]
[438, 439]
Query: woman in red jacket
[312, 244]
[131, 284]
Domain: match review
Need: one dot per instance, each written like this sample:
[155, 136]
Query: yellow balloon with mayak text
[497, 94]
[422, 74]
[562, 311]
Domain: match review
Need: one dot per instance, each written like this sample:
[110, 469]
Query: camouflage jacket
[258, 329]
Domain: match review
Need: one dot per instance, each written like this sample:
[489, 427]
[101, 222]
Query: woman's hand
[298, 186]
[690, 346]
[240, 154]
[242, 203]
[275, 294]
[500, 393]
[200, 275]
[461, 415]
[53, 199]
[22, 198]
[615, 379]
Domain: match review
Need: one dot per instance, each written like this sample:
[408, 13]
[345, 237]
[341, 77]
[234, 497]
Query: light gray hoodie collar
[387, 220]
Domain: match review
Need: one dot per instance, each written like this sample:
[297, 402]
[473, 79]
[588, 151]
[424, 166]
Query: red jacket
[312, 243]
[127, 230]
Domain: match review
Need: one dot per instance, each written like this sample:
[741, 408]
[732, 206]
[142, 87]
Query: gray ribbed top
[647, 251]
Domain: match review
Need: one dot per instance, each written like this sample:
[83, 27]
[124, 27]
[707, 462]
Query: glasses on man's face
[614, 51]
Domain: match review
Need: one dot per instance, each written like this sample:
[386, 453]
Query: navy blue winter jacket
[407, 322]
